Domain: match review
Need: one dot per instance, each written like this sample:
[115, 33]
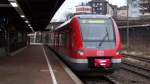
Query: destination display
[93, 21]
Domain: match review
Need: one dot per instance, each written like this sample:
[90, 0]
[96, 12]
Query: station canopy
[37, 12]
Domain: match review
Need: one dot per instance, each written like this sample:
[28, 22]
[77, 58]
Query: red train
[88, 43]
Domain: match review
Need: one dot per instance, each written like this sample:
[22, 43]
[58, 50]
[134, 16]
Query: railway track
[136, 69]
[128, 74]
[99, 80]
[141, 58]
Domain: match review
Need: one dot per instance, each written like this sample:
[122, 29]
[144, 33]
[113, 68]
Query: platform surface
[30, 66]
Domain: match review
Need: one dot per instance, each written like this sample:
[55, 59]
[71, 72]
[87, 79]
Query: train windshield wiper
[106, 35]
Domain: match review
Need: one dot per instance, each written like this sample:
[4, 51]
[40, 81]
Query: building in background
[145, 7]
[122, 12]
[101, 7]
[111, 10]
[98, 6]
[82, 9]
[115, 7]
[134, 8]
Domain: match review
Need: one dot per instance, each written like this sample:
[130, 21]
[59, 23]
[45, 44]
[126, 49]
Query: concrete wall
[139, 38]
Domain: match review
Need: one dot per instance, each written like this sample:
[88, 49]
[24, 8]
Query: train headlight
[80, 52]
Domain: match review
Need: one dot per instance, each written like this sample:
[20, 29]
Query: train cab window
[97, 33]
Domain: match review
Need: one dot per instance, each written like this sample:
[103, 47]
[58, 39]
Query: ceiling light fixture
[26, 21]
[14, 4]
[29, 25]
[22, 16]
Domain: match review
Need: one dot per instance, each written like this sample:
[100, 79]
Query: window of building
[93, 4]
[97, 4]
[100, 3]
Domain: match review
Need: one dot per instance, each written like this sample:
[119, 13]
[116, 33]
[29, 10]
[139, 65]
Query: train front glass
[97, 33]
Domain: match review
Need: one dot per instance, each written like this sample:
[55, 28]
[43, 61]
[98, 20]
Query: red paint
[73, 43]
[105, 63]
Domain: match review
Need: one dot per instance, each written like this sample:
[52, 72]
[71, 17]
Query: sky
[69, 6]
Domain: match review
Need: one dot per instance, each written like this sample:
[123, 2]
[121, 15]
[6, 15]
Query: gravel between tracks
[127, 77]
[96, 80]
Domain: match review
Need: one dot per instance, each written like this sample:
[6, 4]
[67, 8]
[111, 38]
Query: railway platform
[35, 65]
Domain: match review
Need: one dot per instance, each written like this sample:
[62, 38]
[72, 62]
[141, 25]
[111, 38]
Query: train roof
[92, 16]
[63, 24]
[84, 16]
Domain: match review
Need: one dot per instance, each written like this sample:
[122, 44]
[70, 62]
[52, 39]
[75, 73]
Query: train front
[100, 43]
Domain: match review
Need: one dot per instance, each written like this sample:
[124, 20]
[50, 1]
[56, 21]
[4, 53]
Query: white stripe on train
[73, 60]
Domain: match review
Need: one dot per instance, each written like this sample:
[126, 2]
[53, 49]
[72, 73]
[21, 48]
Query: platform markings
[70, 73]
[50, 68]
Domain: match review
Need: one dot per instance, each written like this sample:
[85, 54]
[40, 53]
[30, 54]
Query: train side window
[62, 39]
[59, 37]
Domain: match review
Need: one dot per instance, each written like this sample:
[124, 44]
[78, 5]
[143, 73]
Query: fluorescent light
[26, 21]
[14, 4]
[22, 16]
[29, 25]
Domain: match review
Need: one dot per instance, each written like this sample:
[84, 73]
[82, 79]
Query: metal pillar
[34, 37]
[127, 32]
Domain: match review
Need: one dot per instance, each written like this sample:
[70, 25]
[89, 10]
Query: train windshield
[97, 33]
